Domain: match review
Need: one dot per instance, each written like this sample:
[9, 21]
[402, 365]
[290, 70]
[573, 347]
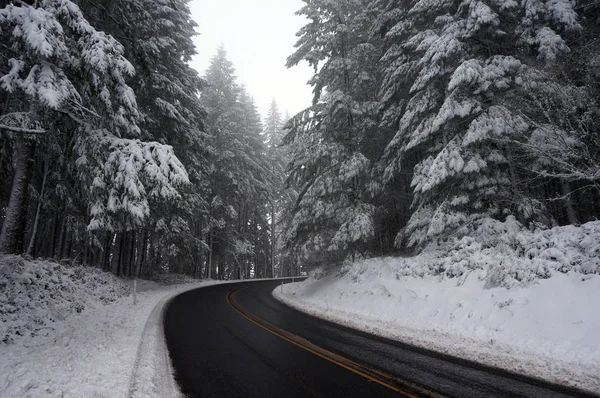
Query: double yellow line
[403, 387]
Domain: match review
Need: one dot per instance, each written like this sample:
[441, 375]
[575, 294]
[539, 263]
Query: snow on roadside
[74, 332]
[527, 303]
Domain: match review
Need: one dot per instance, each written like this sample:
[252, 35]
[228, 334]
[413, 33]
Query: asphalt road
[235, 340]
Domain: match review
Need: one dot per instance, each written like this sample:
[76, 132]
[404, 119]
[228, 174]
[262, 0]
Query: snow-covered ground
[74, 332]
[526, 302]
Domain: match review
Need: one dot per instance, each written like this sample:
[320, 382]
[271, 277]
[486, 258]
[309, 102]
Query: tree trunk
[53, 237]
[124, 263]
[151, 254]
[88, 257]
[66, 253]
[61, 238]
[210, 257]
[220, 269]
[566, 192]
[13, 229]
[200, 251]
[198, 273]
[37, 211]
[106, 252]
[141, 253]
[514, 181]
[131, 267]
[116, 258]
[2, 149]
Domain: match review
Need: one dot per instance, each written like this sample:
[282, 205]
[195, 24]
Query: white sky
[258, 35]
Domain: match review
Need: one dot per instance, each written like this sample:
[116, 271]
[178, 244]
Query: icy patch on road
[526, 302]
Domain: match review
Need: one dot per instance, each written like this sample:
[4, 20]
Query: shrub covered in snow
[510, 254]
[36, 294]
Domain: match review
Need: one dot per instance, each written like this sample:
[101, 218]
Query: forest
[428, 118]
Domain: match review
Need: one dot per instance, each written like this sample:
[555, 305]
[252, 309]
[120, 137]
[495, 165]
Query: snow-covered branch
[124, 175]
[21, 130]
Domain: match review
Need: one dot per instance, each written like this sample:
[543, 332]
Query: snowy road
[236, 340]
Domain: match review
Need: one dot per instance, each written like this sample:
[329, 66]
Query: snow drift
[507, 297]
[70, 331]
[34, 295]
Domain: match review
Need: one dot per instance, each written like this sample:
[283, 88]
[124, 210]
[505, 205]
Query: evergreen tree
[451, 71]
[239, 175]
[61, 68]
[328, 160]
[159, 43]
[283, 196]
[273, 131]
[563, 147]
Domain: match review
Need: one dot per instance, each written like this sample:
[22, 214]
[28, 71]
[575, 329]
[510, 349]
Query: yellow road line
[361, 369]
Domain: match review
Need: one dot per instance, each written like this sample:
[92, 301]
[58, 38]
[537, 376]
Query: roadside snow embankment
[526, 302]
[74, 332]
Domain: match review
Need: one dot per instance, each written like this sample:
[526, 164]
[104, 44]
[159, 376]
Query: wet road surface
[236, 340]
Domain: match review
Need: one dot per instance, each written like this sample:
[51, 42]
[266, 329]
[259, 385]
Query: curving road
[234, 340]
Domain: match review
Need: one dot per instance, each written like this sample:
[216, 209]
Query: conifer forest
[428, 118]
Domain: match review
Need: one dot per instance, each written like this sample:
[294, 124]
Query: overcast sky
[258, 35]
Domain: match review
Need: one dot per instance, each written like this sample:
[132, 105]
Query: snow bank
[35, 295]
[510, 254]
[526, 302]
[74, 332]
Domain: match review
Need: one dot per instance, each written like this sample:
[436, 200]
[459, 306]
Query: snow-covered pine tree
[55, 64]
[564, 146]
[273, 137]
[452, 68]
[273, 128]
[273, 134]
[259, 181]
[332, 213]
[62, 73]
[158, 41]
[282, 195]
[239, 176]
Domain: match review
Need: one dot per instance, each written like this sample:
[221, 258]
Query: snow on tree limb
[56, 47]
[21, 130]
[124, 175]
[20, 122]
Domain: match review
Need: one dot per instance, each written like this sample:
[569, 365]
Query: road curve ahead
[236, 340]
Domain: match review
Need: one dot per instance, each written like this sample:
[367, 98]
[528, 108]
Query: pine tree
[282, 195]
[159, 44]
[59, 66]
[451, 71]
[74, 84]
[239, 176]
[562, 149]
[333, 212]
[255, 199]
[273, 131]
